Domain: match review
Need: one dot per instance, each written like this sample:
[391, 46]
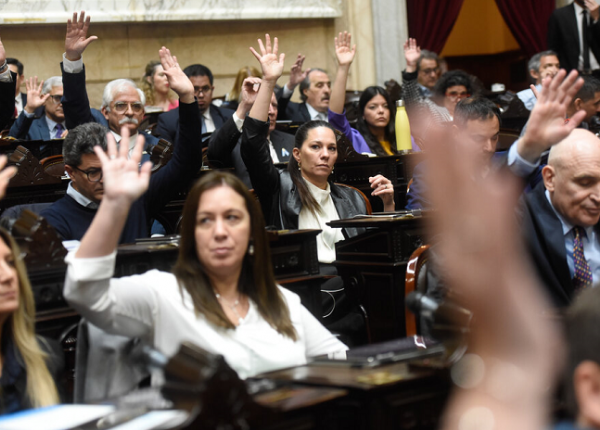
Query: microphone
[445, 312]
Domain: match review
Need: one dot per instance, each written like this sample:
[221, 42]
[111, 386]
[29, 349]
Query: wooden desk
[395, 396]
[373, 266]
[355, 169]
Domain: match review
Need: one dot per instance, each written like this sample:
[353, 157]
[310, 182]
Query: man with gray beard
[122, 101]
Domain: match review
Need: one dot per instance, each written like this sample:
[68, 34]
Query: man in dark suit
[20, 98]
[565, 35]
[315, 90]
[122, 101]
[560, 215]
[213, 117]
[52, 124]
[224, 146]
[8, 81]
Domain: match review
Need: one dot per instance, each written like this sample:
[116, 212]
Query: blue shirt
[591, 245]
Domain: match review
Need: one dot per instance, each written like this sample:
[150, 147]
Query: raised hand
[76, 40]
[343, 51]
[250, 90]
[178, 81]
[297, 75]
[5, 175]
[412, 52]
[593, 7]
[547, 124]
[124, 182]
[383, 188]
[35, 98]
[271, 64]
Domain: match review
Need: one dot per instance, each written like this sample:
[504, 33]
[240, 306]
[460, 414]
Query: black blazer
[278, 196]
[168, 122]
[563, 37]
[224, 149]
[7, 100]
[545, 240]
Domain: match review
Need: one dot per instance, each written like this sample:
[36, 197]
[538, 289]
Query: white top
[307, 220]
[151, 306]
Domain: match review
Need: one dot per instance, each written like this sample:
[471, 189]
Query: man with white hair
[122, 101]
[49, 126]
[562, 217]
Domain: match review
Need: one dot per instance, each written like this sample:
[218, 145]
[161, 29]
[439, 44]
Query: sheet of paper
[54, 417]
[155, 420]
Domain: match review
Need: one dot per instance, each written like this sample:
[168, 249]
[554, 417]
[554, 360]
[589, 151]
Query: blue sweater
[71, 220]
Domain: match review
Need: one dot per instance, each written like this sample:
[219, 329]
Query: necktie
[59, 131]
[586, 42]
[583, 274]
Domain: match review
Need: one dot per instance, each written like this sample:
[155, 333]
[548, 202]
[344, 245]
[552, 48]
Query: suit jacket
[168, 122]
[25, 128]
[7, 100]
[76, 106]
[546, 243]
[563, 37]
[224, 149]
[296, 112]
[278, 196]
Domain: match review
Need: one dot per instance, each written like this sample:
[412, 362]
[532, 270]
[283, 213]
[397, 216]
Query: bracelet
[5, 64]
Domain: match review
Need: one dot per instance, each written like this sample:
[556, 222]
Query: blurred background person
[155, 86]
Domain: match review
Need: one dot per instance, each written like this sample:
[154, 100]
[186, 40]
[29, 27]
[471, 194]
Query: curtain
[430, 21]
[528, 22]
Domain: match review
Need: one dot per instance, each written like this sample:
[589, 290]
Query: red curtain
[528, 22]
[430, 21]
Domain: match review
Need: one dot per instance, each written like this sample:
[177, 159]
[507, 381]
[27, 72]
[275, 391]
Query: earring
[251, 248]
[299, 166]
[332, 169]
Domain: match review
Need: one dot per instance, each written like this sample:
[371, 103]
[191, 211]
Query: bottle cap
[399, 103]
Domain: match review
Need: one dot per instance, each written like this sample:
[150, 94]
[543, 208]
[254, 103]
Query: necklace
[233, 306]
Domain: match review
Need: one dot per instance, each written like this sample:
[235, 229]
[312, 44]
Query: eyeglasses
[205, 90]
[93, 175]
[121, 107]
[455, 95]
[430, 71]
[56, 98]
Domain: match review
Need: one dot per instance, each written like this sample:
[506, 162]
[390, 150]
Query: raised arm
[254, 150]
[124, 182]
[547, 125]
[485, 264]
[187, 155]
[272, 68]
[344, 53]
[75, 100]
[35, 99]
[77, 40]
[224, 140]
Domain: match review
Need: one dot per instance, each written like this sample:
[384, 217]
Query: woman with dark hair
[301, 196]
[221, 295]
[374, 131]
[30, 365]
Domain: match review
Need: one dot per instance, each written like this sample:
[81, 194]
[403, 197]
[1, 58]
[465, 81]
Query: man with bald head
[561, 217]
